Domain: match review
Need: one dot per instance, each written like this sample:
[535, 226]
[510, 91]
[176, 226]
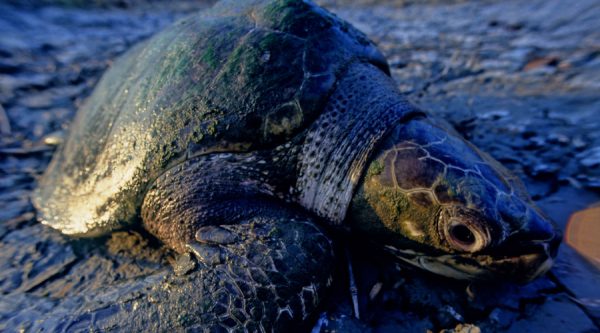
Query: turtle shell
[242, 76]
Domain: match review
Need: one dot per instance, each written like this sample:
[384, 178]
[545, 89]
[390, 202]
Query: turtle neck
[364, 107]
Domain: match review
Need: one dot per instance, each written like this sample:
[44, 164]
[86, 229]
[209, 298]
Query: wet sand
[518, 78]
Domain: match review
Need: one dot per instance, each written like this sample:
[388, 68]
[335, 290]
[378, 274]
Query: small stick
[353, 288]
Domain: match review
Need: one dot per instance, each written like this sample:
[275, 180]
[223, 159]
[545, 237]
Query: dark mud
[519, 79]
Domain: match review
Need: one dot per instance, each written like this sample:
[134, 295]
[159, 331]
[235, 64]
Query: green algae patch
[394, 214]
[298, 18]
[376, 168]
[209, 57]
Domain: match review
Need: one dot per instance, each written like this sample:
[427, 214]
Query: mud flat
[518, 78]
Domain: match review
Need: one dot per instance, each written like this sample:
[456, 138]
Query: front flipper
[268, 271]
[265, 273]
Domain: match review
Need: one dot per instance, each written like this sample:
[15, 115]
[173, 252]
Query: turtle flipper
[267, 274]
[268, 271]
[261, 262]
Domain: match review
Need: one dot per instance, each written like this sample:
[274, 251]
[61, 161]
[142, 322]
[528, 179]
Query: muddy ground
[518, 78]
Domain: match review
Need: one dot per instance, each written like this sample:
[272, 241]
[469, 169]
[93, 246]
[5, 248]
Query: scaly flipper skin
[267, 273]
[273, 260]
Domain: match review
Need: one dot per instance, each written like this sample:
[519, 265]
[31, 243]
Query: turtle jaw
[523, 261]
[520, 268]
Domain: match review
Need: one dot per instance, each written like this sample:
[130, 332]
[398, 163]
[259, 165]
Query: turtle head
[434, 200]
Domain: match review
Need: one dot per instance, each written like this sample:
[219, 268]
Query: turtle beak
[525, 267]
[529, 252]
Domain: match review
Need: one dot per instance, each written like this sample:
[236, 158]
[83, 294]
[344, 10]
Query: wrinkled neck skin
[364, 107]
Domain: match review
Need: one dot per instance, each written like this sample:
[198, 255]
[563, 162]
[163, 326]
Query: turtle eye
[462, 234]
[465, 235]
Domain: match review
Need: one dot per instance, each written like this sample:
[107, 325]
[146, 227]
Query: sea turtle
[245, 135]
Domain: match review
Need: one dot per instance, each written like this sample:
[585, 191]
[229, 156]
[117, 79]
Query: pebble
[54, 139]
[494, 115]
[590, 158]
[539, 63]
[544, 171]
[517, 55]
[463, 328]
[536, 142]
[579, 143]
[184, 264]
[558, 138]
[375, 290]
[593, 182]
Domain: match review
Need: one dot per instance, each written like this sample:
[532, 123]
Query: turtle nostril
[535, 229]
[462, 234]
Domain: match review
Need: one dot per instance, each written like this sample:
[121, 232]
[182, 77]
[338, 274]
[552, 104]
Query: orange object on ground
[583, 233]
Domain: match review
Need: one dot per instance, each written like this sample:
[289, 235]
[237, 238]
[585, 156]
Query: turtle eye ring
[464, 236]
